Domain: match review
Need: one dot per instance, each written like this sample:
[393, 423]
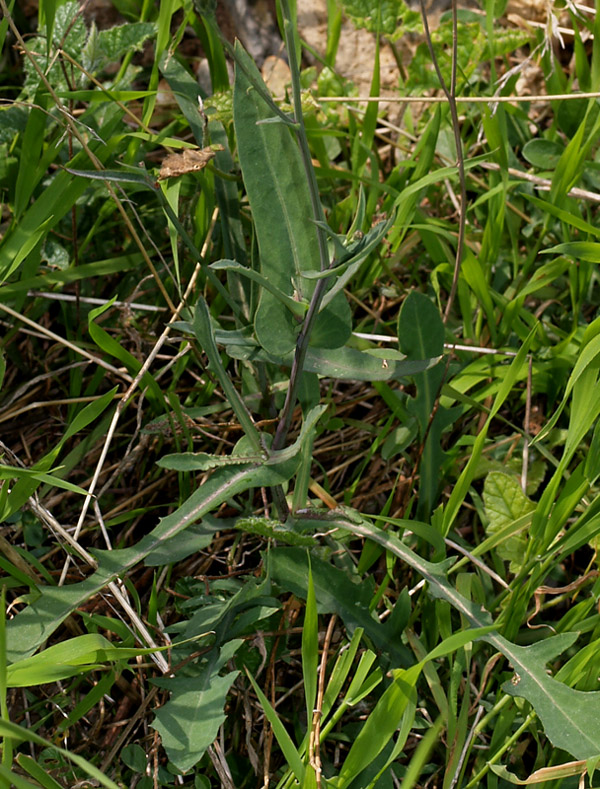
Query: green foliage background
[281, 504]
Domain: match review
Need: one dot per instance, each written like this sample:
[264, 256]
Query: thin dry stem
[314, 744]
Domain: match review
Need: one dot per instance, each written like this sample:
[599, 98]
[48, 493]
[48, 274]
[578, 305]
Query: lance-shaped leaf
[349, 364]
[279, 196]
[31, 627]
[345, 363]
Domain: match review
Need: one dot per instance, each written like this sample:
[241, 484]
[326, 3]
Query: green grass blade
[310, 648]
[19, 734]
[35, 771]
[461, 488]
[288, 748]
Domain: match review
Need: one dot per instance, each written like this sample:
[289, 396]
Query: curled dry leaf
[188, 161]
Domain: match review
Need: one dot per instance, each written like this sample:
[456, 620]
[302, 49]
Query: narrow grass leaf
[580, 250]
[378, 729]
[545, 774]
[57, 200]
[288, 748]
[340, 671]
[35, 771]
[20, 734]
[14, 472]
[205, 336]
[310, 647]
[16, 780]
[295, 307]
[68, 658]
[565, 216]
[461, 488]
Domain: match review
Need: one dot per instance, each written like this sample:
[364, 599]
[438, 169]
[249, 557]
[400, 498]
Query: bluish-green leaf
[277, 188]
[189, 722]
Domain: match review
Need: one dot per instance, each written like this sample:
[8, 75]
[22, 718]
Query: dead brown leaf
[189, 160]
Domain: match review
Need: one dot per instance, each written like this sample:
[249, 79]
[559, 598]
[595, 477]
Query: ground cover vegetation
[299, 448]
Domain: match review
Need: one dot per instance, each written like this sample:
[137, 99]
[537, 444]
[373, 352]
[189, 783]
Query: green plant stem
[505, 746]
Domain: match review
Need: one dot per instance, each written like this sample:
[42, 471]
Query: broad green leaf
[295, 307]
[505, 502]
[114, 42]
[195, 538]
[32, 626]
[335, 592]
[186, 91]
[189, 722]
[200, 461]
[345, 363]
[274, 530]
[543, 154]
[382, 16]
[282, 211]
